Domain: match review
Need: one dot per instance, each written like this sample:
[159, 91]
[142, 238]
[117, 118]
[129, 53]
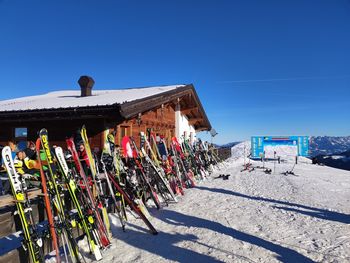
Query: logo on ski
[47, 148]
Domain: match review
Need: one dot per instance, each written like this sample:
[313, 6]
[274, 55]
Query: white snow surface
[281, 150]
[72, 99]
[240, 150]
[339, 157]
[251, 217]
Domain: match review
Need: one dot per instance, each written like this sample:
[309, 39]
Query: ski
[95, 176]
[32, 242]
[158, 169]
[56, 193]
[133, 205]
[178, 154]
[113, 164]
[50, 216]
[128, 142]
[102, 232]
[72, 188]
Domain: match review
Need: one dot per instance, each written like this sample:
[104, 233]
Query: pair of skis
[52, 197]
[93, 165]
[163, 183]
[94, 206]
[117, 189]
[53, 186]
[53, 192]
[179, 156]
[195, 158]
[145, 179]
[85, 220]
[114, 186]
[32, 241]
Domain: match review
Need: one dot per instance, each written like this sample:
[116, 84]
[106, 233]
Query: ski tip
[97, 253]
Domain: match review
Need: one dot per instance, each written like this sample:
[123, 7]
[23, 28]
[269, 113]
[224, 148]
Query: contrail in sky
[283, 79]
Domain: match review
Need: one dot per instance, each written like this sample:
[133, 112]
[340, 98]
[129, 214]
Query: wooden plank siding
[161, 121]
[11, 226]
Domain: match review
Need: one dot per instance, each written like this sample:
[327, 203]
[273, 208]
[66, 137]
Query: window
[21, 133]
[124, 131]
[21, 137]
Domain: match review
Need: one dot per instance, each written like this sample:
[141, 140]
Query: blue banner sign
[258, 144]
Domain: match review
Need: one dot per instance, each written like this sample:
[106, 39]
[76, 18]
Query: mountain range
[328, 145]
[328, 150]
[340, 160]
[319, 145]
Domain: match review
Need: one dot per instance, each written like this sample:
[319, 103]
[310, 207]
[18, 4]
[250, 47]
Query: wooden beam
[188, 110]
[131, 108]
[9, 200]
[201, 128]
[194, 120]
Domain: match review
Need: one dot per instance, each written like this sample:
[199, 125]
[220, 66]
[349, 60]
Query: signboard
[278, 145]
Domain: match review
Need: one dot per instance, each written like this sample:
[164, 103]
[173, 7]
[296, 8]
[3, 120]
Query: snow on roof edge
[66, 99]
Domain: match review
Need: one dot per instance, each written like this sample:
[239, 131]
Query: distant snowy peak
[319, 145]
[228, 145]
[328, 145]
[240, 149]
[286, 153]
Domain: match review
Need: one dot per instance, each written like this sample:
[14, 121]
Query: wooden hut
[167, 110]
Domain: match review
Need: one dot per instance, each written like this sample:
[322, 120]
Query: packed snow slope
[251, 217]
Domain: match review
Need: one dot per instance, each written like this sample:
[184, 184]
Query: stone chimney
[86, 83]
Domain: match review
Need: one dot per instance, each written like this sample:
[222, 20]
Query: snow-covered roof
[72, 98]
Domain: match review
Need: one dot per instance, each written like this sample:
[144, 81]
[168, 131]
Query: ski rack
[9, 200]
[203, 160]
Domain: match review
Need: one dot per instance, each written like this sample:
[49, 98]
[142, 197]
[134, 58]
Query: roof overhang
[92, 112]
[131, 109]
[185, 95]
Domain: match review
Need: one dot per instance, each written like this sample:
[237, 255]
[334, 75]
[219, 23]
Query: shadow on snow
[284, 254]
[163, 244]
[311, 211]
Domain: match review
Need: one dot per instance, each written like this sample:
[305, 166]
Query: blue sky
[259, 67]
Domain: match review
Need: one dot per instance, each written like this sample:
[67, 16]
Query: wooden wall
[58, 130]
[11, 249]
[161, 121]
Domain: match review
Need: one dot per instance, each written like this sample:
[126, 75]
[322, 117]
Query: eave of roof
[70, 99]
[133, 108]
[125, 110]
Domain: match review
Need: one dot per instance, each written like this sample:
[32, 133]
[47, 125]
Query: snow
[281, 150]
[72, 99]
[337, 157]
[252, 217]
[241, 149]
